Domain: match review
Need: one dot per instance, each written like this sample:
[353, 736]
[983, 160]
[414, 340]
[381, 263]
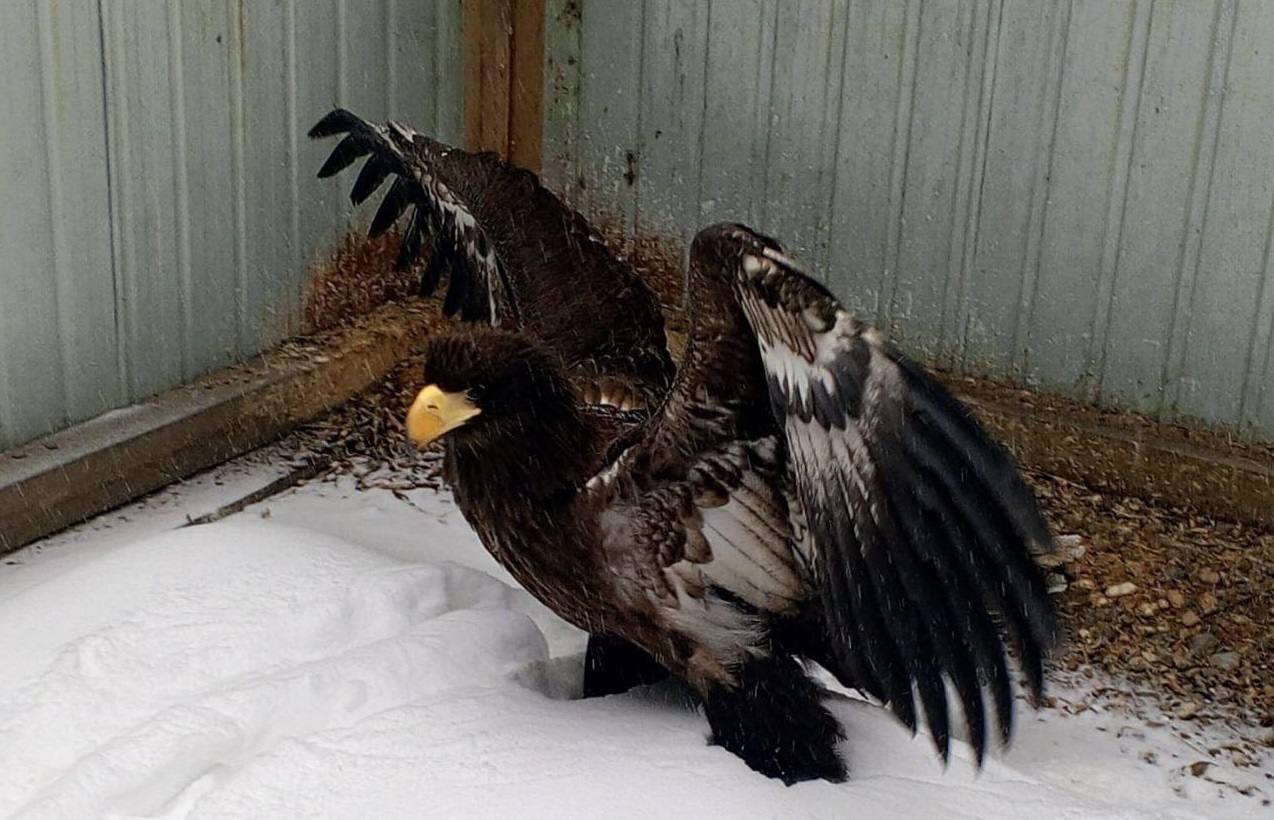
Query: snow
[331, 653]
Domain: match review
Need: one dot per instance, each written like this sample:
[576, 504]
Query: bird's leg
[613, 665]
[774, 719]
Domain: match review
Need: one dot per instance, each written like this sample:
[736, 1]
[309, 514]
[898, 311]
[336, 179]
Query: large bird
[801, 492]
[506, 245]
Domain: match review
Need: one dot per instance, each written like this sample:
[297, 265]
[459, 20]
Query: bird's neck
[538, 465]
[520, 499]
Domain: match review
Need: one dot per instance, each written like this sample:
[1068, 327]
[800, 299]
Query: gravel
[1173, 601]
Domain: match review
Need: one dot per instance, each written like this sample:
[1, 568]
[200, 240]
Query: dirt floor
[1169, 599]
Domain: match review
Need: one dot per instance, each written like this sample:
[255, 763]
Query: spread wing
[908, 531]
[921, 527]
[513, 254]
[478, 287]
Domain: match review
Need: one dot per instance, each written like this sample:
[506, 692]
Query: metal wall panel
[1077, 195]
[160, 204]
[58, 348]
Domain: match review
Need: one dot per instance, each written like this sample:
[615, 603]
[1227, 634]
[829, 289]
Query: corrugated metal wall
[1076, 194]
[159, 203]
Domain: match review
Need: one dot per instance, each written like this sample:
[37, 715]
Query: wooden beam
[526, 85]
[62, 479]
[1142, 464]
[504, 79]
[487, 70]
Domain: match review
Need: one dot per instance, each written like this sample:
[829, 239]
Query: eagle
[796, 492]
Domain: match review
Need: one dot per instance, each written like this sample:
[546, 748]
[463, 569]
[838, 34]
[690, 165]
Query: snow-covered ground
[330, 653]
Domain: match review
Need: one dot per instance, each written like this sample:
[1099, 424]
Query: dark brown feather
[565, 288]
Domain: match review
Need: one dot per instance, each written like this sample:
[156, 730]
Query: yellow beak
[436, 412]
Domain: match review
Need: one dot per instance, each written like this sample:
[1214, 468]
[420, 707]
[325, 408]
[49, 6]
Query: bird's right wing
[478, 287]
[514, 254]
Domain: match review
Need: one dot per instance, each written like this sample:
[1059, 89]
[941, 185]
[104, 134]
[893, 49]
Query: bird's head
[716, 250]
[485, 386]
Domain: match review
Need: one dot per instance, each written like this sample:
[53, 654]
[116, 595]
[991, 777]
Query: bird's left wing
[921, 527]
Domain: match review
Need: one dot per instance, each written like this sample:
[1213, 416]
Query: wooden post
[487, 30]
[504, 78]
[526, 85]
